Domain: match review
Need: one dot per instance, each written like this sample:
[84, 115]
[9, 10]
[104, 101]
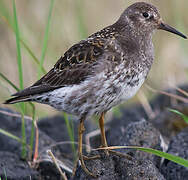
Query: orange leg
[101, 125]
[103, 138]
[80, 136]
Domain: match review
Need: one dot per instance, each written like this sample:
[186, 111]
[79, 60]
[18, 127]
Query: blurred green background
[73, 20]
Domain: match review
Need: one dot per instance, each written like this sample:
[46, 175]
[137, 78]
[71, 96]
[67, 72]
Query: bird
[101, 71]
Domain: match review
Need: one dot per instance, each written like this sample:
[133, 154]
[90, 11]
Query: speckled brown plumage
[122, 54]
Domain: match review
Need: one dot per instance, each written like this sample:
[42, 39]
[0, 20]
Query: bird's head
[144, 18]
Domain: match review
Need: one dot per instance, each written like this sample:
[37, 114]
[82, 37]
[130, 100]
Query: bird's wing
[74, 67]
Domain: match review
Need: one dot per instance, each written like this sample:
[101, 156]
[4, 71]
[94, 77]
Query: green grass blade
[18, 46]
[185, 118]
[45, 42]
[70, 132]
[9, 82]
[6, 133]
[6, 20]
[4, 12]
[72, 127]
[13, 25]
[165, 155]
[5, 173]
[80, 20]
[19, 62]
[32, 55]
[17, 89]
[33, 115]
[24, 150]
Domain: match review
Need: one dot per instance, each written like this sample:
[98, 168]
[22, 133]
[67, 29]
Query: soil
[166, 132]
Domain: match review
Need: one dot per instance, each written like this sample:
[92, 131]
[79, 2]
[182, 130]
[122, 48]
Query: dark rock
[114, 167]
[141, 134]
[11, 122]
[179, 147]
[48, 171]
[13, 168]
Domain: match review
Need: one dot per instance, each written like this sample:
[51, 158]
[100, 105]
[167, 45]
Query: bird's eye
[145, 14]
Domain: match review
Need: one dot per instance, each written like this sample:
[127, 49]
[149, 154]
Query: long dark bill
[166, 27]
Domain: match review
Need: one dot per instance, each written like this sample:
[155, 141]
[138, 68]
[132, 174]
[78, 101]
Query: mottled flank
[96, 94]
[103, 70]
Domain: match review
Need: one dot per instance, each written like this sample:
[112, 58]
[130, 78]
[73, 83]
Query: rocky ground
[166, 132]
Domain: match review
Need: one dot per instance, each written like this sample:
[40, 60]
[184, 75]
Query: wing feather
[70, 69]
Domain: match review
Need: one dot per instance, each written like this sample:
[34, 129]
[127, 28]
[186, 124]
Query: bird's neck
[135, 43]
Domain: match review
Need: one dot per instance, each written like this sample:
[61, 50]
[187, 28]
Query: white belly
[96, 94]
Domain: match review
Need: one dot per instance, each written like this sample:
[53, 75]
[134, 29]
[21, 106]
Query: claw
[91, 158]
[84, 166]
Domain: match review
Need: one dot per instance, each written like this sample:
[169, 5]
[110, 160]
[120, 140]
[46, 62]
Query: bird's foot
[82, 158]
[106, 152]
[91, 157]
[109, 151]
[120, 154]
[123, 155]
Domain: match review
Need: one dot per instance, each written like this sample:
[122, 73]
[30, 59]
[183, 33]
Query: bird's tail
[18, 99]
[28, 94]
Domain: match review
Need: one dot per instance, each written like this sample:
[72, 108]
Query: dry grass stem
[36, 142]
[57, 165]
[14, 115]
[180, 98]
[145, 103]
[181, 91]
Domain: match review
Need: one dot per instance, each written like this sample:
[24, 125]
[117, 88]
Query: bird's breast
[118, 85]
[127, 82]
